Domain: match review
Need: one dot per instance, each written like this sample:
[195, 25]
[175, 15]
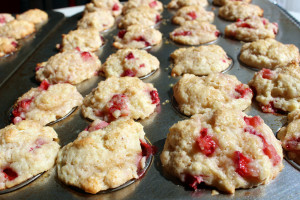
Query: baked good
[251, 29]
[113, 5]
[130, 62]
[7, 46]
[225, 149]
[154, 4]
[223, 2]
[5, 17]
[26, 149]
[197, 95]
[120, 97]
[142, 15]
[138, 37]
[195, 33]
[17, 29]
[277, 90]
[72, 66]
[100, 20]
[202, 60]
[46, 103]
[176, 4]
[104, 157]
[290, 136]
[85, 39]
[191, 13]
[269, 53]
[35, 16]
[239, 10]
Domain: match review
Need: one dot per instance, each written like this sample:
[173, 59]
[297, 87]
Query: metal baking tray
[10, 63]
[155, 184]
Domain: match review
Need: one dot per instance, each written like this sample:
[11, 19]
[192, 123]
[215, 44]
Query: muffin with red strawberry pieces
[239, 10]
[26, 150]
[225, 149]
[5, 17]
[176, 4]
[251, 29]
[130, 62]
[195, 33]
[137, 36]
[72, 66]
[191, 13]
[47, 103]
[154, 4]
[290, 136]
[142, 15]
[223, 2]
[17, 29]
[277, 90]
[104, 156]
[114, 6]
[100, 20]
[35, 16]
[202, 60]
[197, 95]
[120, 97]
[7, 46]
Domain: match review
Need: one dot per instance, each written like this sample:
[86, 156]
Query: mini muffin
[7, 46]
[225, 149]
[17, 29]
[142, 15]
[46, 103]
[72, 66]
[269, 53]
[100, 20]
[130, 62]
[223, 2]
[26, 149]
[154, 4]
[197, 95]
[35, 16]
[195, 33]
[290, 136]
[120, 97]
[176, 4]
[5, 17]
[202, 60]
[138, 37]
[239, 10]
[113, 5]
[277, 90]
[251, 29]
[85, 39]
[191, 13]
[104, 156]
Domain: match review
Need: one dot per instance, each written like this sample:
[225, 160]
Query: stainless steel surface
[155, 184]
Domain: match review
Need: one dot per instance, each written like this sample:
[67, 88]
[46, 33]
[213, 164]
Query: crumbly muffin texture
[202, 60]
[197, 95]
[223, 2]
[46, 103]
[114, 6]
[35, 16]
[239, 10]
[195, 33]
[7, 46]
[225, 149]
[105, 157]
[130, 4]
[138, 37]
[251, 29]
[269, 53]
[277, 90]
[191, 13]
[120, 97]
[176, 4]
[72, 66]
[26, 149]
[130, 62]
[5, 17]
[17, 29]
[85, 39]
[142, 15]
[290, 136]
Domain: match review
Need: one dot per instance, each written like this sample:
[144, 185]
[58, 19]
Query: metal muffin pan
[156, 184]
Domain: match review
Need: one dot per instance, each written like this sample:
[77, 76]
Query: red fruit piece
[192, 181]
[267, 74]
[38, 66]
[154, 97]
[100, 125]
[253, 121]
[206, 143]
[121, 33]
[142, 65]
[86, 56]
[9, 173]
[115, 7]
[44, 85]
[242, 91]
[182, 33]
[157, 19]
[217, 33]
[78, 49]
[239, 20]
[130, 56]
[117, 102]
[14, 44]
[128, 72]
[38, 143]
[2, 20]
[264, 21]
[21, 107]
[292, 144]
[192, 14]
[142, 39]
[244, 25]
[153, 4]
[147, 150]
[242, 164]
[270, 108]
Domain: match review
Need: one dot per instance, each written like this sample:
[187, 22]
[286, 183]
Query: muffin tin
[156, 184]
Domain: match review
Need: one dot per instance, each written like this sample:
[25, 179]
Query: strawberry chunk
[157, 19]
[242, 91]
[206, 143]
[193, 181]
[100, 125]
[217, 33]
[153, 4]
[147, 150]
[78, 49]
[142, 39]
[9, 173]
[154, 97]
[117, 107]
[44, 85]
[2, 19]
[130, 56]
[244, 25]
[242, 164]
[115, 7]
[22, 107]
[142, 65]
[253, 121]
[14, 44]
[38, 66]
[86, 56]
[128, 72]
[292, 144]
[270, 108]
[192, 14]
[267, 74]
[183, 33]
[121, 33]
